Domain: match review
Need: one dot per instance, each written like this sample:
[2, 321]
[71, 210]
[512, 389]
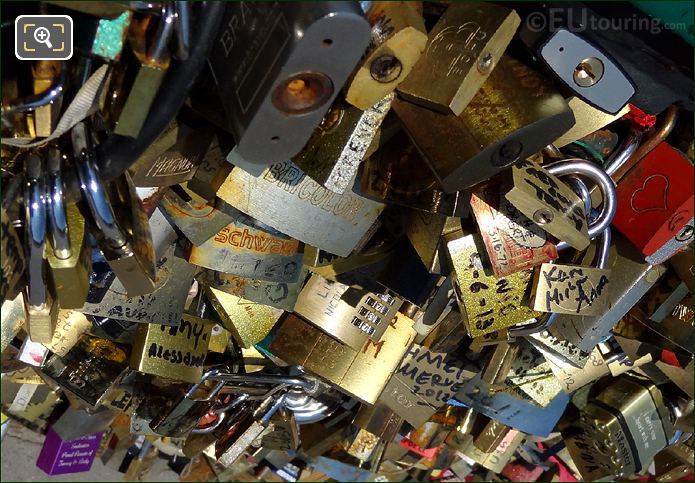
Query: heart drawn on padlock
[651, 196]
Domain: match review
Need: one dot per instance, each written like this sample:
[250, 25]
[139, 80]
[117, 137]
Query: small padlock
[655, 202]
[462, 50]
[572, 289]
[126, 242]
[154, 62]
[489, 303]
[41, 310]
[68, 252]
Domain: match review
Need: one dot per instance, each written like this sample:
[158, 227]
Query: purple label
[58, 457]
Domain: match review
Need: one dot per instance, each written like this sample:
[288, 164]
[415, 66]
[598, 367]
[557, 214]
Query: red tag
[429, 453]
[639, 117]
[670, 358]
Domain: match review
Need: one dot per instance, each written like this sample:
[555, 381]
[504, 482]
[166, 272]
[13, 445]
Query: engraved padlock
[125, 240]
[68, 251]
[41, 309]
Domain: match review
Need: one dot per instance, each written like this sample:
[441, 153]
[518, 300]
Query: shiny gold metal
[490, 303]
[70, 276]
[334, 152]
[173, 352]
[398, 39]
[587, 120]
[362, 374]
[249, 322]
[550, 203]
[462, 50]
[484, 140]
[491, 436]
[41, 319]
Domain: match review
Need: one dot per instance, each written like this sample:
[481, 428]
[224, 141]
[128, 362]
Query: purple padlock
[59, 457]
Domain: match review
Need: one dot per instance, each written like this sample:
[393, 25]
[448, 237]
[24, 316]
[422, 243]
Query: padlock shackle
[604, 248]
[57, 214]
[35, 228]
[182, 30]
[33, 102]
[157, 52]
[582, 167]
[620, 157]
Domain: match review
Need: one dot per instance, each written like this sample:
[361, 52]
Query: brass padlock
[125, 240]
[483, 140]
[572, 289]
[40, 307]
[462, 50]
[334, 152]
[154, 62]
[398, 39]
[490, 303]
[68, 252]
[69, 328]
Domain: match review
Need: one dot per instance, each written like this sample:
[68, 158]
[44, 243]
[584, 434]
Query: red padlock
[655, 200]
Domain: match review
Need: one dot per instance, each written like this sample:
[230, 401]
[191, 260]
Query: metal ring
[629, 146]
[35, 223]
[583, 192]
[31, 103]
[93, 190]
[604, 249]
[534, 327]
[605, 183]
[57, 214]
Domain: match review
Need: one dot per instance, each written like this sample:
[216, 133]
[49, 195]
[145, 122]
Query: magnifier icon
[43, 36]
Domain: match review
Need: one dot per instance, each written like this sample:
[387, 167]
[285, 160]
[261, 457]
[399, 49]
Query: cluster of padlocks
[352, 241]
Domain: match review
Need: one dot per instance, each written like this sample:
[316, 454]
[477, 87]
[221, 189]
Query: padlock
[633, 279]
[351, 316]
[513, 242]
[425, 232]
[587, 120]
[308, 53]
[655, 202]
[334, 152]
[197, 219]
[466, 149]
[246, 249]
[489, 303]
[462, 50]
[13, 261]
[584, 69]
[89, 370]
[41, 310]
[398, 39]
[281, 295]
[249, 322]
[46, 72]
[126, 242]
[300, 205]
[154, 63]
[163, 306]
[175, 352]
[620, 430]
[173, 157]
[68, 252]
[212, 170]
[530, 375]
[285, 432]
[363, 374]
[572, 289]
[69, 328]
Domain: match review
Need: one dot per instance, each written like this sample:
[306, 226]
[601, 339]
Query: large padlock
[41, 309]
[68, 251]
[483, 140]
[306, 52]
[125, 240]
[655, 203]
[398, 40]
